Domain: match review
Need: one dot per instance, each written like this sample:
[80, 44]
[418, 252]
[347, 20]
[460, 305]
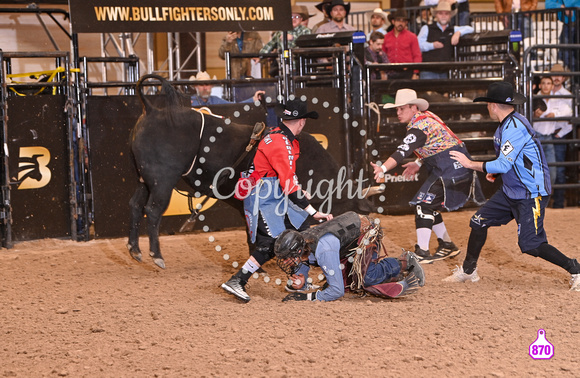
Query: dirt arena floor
[88, 310]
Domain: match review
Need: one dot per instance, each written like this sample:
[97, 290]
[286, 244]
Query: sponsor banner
[38, 167]
[107, 16]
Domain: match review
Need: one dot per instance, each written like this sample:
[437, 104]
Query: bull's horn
[373, 190]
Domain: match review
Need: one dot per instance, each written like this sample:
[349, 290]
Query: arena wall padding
[330, 122]
[39, 167]
[110, 120]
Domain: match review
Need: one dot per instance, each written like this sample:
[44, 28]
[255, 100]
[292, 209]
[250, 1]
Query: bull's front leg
[137, 207]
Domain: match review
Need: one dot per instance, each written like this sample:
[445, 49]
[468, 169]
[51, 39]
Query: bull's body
[166, 141]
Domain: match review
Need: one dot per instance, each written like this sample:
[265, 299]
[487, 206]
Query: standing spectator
[437, 40]
[525, 190]
[303, 10]
[518, 9]
[374, 53]
[562, 128]
[461, 7]
[379, 22]
[338, 11]
[568, 34]
[240, 42]
[449, 185]
[544, 127]
[276, 43]
[326, 18]
[402, 46]
[275, 200]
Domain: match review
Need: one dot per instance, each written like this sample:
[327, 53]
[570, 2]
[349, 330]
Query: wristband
[419, 162]
[311, 296]
[383, 168]
[311, 210]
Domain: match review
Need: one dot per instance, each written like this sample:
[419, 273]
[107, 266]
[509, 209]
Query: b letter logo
[33, 171]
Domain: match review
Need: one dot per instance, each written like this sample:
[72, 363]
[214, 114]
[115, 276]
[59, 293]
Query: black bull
[172, 139]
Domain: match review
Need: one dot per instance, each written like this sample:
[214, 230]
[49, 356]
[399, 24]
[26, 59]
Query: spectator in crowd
[525, 190]
[425, 17]
[303, 10]
[326, 18]
[568, 34]
[402, 46]
[379, 22]
[518, 7]
[562, 128]
[461, 7]
[545, 128]
[338, 11]
[241, 42]
[374, 53]
[276, 43]
[203, 96]
[437, 40]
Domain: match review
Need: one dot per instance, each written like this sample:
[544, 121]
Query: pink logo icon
[541, 349]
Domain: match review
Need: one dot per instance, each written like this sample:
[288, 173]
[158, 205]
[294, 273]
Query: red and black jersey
[276, 156]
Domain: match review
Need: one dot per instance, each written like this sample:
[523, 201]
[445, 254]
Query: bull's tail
[173, 96]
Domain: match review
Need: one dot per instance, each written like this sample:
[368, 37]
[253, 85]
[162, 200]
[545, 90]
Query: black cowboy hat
[334, 3]
[321, 5]
[399, 13]
[295, 109]
[502, 93]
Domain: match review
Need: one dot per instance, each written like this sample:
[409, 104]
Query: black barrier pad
[37, 145]
[330, 123]
[110, 120]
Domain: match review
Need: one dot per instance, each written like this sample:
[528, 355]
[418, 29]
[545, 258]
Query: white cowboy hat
[444, 7]
[379, 12]
[407, 97]
[201, 75]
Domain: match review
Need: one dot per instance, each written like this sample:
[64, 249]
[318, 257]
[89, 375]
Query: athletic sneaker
[304, 289]
[445, 250]
[414, 266]
[423, 256]
[460, 276]
[575, 282]
[234, 286]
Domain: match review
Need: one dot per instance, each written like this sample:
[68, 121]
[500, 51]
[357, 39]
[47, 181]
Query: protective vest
[345, 227]
[444, 54]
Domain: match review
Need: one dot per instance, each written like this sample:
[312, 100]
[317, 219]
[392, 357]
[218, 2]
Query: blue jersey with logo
[520, 159]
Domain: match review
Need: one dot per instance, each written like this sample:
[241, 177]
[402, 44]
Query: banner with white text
[108, 16]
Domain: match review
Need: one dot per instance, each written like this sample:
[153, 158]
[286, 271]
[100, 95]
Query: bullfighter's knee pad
[424, 217]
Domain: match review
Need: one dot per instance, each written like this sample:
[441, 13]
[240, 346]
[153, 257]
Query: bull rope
[200, 135]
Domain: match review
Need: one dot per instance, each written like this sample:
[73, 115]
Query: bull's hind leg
[137, 207]
[156, 205]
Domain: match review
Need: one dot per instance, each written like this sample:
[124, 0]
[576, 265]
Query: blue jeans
[550, 155]
[568, 56]
[382, 271]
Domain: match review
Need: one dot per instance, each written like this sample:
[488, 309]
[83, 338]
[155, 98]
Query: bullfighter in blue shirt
[525, 190]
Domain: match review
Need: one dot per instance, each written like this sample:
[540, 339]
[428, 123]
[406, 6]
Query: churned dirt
[89, 310]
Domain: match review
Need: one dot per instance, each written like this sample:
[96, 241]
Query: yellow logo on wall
[178, 204]
[322, 139]
[33, 171]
